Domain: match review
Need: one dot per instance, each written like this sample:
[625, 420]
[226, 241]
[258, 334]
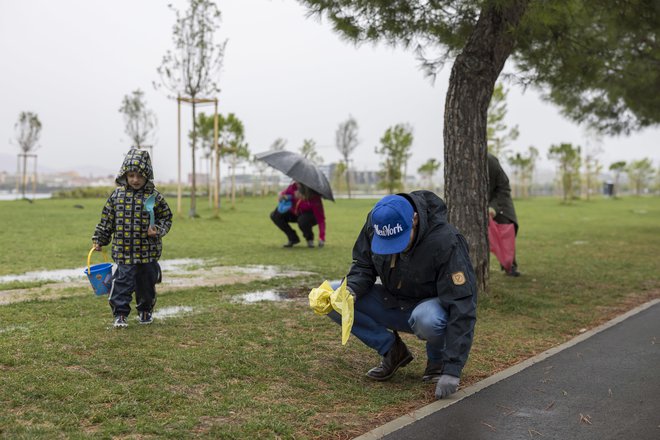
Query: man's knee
[428, 323]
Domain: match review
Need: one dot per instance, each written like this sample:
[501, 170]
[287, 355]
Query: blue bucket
[99, 275]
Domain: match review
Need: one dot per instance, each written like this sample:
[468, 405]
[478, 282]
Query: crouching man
[428, 288]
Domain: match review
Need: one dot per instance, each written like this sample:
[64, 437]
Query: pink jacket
[314, 204]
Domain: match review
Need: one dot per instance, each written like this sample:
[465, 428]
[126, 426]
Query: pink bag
[502, 240]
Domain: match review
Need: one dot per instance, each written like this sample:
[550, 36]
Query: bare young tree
[346, 140]
[28, 131]
[338, 173]
[498, 134]
[205, 131]
[427, 170]
[278, 144]
[139, 121]
[640, 173]
[592, 168]
[192, 68]
[395, 150]
[523, 170]
[569, 160]
[308, 150]
[233, 146]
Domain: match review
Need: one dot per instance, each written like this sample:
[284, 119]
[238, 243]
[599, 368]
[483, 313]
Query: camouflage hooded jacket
[125, 217]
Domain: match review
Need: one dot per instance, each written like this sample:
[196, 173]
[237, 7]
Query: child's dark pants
[138, 278]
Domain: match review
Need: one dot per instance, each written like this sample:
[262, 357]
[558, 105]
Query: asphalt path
[602, 385]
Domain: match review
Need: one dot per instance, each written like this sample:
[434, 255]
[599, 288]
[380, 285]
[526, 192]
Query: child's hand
[153, 231]
[97, 247]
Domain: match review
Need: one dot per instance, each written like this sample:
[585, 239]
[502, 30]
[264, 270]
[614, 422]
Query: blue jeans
[373, 322]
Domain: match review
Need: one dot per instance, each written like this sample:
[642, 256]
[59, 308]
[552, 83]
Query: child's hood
[136, 160]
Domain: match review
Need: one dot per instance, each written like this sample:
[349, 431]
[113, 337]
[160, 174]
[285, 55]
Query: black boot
[513, 272]
[291, 243]
[433, 371]
[398, 356]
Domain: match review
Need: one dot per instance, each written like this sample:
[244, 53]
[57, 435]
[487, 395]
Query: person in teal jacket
[136, 245]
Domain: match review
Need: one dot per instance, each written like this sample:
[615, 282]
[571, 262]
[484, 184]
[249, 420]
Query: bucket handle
[89, 259]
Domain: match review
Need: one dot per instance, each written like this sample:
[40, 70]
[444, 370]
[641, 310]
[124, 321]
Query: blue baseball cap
[392, 220]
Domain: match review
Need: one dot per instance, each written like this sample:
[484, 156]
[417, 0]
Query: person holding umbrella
[302, 205]
[301, 201]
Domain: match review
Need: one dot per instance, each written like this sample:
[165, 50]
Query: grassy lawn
[274, 369]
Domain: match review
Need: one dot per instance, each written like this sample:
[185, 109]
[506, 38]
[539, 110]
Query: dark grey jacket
[499, 191]
[438, 265]
[125, 221]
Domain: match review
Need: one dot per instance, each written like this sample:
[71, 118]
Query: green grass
[275, 370]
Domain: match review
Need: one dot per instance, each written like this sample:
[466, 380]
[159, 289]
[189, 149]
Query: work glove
[446, 386]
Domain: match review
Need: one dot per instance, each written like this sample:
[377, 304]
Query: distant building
[200, 179]
[357, 177]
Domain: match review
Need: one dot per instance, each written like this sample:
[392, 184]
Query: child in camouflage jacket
[136, 245]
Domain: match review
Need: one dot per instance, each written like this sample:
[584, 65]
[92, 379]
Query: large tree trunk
[471, 85]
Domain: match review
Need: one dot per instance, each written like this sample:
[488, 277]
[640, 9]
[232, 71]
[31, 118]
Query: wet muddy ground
[177, 274]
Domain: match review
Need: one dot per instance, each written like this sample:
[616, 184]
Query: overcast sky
[284, 75]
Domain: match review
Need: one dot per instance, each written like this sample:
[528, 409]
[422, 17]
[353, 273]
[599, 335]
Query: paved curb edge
[429, 409]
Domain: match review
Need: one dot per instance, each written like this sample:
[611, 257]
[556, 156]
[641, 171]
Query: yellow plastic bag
[319, 299]
[323, 299]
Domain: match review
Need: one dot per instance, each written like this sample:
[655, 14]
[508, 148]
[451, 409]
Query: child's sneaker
[145, 318]
[120, 322]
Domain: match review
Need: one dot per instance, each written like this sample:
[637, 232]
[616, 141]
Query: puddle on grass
[277, 295]
[177, 274]
[180, 264]
[294, 293]
[264, 295]
[171, 312]
[172, 266]
[44, 275]
[177, 267]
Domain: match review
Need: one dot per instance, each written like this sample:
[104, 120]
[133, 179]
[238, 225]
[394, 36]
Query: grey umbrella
[300, 169]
